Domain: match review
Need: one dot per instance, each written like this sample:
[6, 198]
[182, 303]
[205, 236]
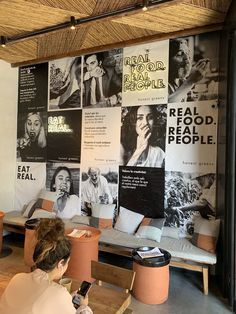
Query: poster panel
[99, 185]
[102, 79]
[191, 139]
[142, 190]
[143, 131]
[65, 83]
[188, 195]
[145, 74]
[101, 135]
[31, 136]
[64, 135]
[64, 180]
[30, 179]
[194, 68]
[33, 88]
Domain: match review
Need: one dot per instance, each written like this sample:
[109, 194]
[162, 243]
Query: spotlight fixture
[3, 41]
[145, 5]
[72, 22]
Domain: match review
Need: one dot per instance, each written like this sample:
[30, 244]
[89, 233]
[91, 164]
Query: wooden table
[106, 300]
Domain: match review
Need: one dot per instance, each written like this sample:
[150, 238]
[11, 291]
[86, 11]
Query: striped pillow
[46, 200]
[102, 215]
[151, 228]
[206, 233]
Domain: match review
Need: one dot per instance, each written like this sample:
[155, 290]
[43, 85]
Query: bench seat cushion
[178, 248]
[15, 218]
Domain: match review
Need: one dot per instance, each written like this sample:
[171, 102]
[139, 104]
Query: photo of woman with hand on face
[140, 138]
[67, 203]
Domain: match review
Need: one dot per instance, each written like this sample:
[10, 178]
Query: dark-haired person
[102, 84]
[182, 75]
[139, 138]
[38, 292]
[33, 143]
[67, 204]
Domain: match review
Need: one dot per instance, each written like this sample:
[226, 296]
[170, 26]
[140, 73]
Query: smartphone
[83, 290]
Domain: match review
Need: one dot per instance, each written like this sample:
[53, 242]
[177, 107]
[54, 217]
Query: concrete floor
[185, 293]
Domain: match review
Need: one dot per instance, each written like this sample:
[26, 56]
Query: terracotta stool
[83, 251]
[1, 229]
[30, 241]
[151, 283]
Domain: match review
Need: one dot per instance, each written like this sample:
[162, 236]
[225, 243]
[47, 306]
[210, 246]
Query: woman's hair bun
[51, 230]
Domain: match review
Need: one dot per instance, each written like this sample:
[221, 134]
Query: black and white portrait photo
[65, 83]
[31, 136]
[63, 179]
[143, 136]
[188, 195]
[100, 186]
[193, 68]
[102, 79]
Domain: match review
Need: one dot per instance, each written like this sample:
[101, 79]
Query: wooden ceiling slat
[217, 5]
[58, 44]
[22, 51]
[112, 32]
[14, 14]
[84, 6]
[180, 16]
[105, 6]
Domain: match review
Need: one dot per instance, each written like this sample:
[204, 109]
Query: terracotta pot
[83, 251]
[2, 214]
[151, 284]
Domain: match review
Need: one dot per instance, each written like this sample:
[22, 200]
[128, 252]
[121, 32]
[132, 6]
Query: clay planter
[83, 251]
[151, 284]
[1, 229]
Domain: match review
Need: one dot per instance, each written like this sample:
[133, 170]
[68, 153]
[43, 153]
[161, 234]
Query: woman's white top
[34, 293]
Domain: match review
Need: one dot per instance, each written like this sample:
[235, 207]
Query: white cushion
[41, 213]
[128, 221]
[84, 220]
[151, 228]
[170, 232]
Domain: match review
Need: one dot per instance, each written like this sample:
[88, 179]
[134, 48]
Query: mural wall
[134, 126]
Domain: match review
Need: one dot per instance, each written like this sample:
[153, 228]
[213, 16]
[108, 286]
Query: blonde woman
[32, 146]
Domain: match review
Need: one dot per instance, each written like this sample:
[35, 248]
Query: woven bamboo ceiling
[162, 20]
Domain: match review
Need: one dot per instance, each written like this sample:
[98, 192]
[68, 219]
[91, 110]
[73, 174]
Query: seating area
[185, 285]
[184, 254]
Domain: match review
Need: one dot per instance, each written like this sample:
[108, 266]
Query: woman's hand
[142, 139]
[82, 300]
[141, 147]
[23, 142]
